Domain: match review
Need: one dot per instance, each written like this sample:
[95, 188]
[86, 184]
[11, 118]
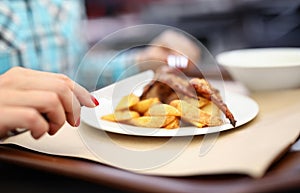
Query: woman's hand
[40, 101]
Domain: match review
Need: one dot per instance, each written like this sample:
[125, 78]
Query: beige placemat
[249, 149]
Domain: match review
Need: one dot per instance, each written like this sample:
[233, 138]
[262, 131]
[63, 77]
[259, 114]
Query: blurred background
[220, 25]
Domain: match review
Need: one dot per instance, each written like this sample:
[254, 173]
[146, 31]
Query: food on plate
[170, 100]
[191, 113]
[174, 124]
[215, 112]
[152, 121]
[162, 110]
[142, 106]
[121, 116]
[127, 102]
[198, 102]
[170, 84]
[204, 89]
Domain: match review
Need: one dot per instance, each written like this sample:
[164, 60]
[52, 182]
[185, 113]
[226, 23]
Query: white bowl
[263, 68]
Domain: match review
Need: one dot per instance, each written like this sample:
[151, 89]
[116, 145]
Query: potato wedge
[143, 105]
[190, 112]
[200, 102]
[215, 113]
[175, 103]
[127, 101]
[197, 124]
[109, 117]
[162, 110]
[152, 121]
[215, 121]
[212, 109]
[121, 116]
[174, 124]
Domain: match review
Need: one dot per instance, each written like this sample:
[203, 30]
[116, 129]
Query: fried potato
[127, 101]
[109, 117]
[215, 121]
[215, 113]
[197, 124]
[212, 109]
[152, 121]
[121, 116]
[162, 110]
[174, 124]
[175, 103]
[143, 105]
[200, 102]
[190, 112]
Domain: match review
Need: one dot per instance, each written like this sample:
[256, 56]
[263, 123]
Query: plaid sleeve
[10, 52]
[42, 35]
[46, 35]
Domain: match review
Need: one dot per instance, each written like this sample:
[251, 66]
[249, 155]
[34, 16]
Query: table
[57, 173]
[283, 176]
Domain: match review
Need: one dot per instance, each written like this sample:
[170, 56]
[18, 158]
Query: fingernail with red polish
[95, 101]
[77, 122]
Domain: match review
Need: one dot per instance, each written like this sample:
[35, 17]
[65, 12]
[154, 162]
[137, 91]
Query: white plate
[242, 107]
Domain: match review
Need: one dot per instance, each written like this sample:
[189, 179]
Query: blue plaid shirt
[42, 35]
[46, 35]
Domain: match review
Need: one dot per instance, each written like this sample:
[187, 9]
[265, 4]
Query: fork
[177, 61]
[13, 132]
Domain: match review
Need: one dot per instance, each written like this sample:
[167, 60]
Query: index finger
[83, 96]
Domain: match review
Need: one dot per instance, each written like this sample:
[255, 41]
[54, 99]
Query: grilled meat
[170, 84]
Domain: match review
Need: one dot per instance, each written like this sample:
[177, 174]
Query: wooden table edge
[283, 175]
